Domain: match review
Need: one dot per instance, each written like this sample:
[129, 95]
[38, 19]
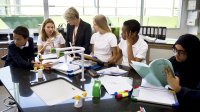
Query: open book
[154, 72]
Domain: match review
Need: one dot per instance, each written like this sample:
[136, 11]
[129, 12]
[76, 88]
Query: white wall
[175, 33]
[172, 33]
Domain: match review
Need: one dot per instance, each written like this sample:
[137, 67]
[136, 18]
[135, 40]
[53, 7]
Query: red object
[135, 87]
[118, 96]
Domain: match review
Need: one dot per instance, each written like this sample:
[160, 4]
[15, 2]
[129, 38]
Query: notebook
[156, 95]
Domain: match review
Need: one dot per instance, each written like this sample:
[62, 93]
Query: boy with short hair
[21, 50]
[131, 47]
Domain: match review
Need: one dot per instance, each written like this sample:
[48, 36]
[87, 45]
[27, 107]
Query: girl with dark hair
[186, 68]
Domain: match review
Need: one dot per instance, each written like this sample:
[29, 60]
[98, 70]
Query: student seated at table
[131, 46]
[21, 50]
[104, 42]
[49, 37]
[186, 82]
[79, 32]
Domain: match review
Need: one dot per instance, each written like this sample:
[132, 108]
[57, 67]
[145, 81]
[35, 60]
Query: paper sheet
[116, 83]
[49, 56]
[69, 68]
[111, 71]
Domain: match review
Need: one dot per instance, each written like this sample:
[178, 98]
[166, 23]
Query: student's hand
[47, 66]
[111, 60]
[36, 64]
[130, 38]
[172, 81]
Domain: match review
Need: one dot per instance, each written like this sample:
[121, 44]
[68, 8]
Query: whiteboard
[56, 91]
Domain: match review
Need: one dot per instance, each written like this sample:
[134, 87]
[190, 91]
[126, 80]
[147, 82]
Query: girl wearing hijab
[186, 62]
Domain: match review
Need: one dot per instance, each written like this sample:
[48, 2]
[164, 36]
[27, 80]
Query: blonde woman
[79, 32]
[104, 43]
[49, 37]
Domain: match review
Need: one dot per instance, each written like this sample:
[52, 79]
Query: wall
[175, 33]
[172, 33]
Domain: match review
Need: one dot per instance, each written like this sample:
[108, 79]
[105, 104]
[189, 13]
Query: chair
[4, 57]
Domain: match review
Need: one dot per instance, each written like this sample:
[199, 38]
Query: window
[162, 13]
[21, 12]
[30, 13]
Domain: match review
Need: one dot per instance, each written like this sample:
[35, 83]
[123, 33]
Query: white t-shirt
[55, 43]
[139, 50]
[102, 45]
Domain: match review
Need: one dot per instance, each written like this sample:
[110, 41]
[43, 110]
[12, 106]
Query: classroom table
[18, 81]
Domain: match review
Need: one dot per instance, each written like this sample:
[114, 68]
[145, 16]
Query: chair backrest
[4, 57]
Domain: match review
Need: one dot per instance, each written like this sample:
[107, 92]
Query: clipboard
[56, 91]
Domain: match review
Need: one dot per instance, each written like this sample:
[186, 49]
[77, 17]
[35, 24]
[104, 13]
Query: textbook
[154, 72]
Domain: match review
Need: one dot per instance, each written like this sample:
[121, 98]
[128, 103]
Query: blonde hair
[71, 13]
[101, 22]
[42, 31]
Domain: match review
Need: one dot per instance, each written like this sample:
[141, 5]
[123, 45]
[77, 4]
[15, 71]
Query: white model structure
[73, 50]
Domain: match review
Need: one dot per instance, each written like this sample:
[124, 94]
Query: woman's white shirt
[139, 50]
[103, 44]
[57, 41]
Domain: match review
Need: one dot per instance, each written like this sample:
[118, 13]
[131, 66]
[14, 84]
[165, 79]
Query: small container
[78, 101]
[40, 73]
[52, 50]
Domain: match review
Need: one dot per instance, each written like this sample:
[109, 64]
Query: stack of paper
[116, 83]
[49, 56]
[53, 61]
[87, 63]
[112, 71]
[66, 68]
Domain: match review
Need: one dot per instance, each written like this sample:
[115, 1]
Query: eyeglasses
[179, 52]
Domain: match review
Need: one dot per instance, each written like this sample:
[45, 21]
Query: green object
[96, 92]
[61, 54]
[52, 50]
